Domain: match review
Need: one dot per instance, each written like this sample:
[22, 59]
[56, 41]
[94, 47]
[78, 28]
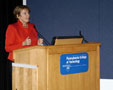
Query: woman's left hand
[40, 41]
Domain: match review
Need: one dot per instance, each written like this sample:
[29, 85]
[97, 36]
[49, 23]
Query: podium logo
[73, 63]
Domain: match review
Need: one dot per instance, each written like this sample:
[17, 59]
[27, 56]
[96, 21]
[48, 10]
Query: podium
[47, 75]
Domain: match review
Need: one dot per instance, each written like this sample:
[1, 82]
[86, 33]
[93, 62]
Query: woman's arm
[10, 42]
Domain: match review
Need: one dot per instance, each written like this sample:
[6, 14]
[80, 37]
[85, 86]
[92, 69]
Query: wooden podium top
[56, 46]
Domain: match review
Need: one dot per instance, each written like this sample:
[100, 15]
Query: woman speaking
[22, 33]
[19, 35]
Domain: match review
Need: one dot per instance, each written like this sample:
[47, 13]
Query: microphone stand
[45, 40]
[83, 37]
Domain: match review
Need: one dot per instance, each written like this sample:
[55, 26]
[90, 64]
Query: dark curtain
[6, 17]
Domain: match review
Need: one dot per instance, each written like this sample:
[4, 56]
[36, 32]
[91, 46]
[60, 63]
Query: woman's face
[24, 16]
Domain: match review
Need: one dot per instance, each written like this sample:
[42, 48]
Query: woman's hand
[26, 42]
[40, 41]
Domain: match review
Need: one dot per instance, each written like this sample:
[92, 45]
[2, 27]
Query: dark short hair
[19, 8]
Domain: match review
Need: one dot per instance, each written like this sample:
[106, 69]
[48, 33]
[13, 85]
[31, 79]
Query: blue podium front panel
[73, 63]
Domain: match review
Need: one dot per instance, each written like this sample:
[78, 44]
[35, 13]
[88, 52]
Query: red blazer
[16, 34]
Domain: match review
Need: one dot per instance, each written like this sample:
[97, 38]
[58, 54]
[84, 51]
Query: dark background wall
[67, 17]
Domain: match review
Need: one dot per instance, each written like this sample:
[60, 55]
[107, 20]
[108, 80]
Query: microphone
[80, 33]
[83, 37]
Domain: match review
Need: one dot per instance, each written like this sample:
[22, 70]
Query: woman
[19, 35]
[22, 33]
